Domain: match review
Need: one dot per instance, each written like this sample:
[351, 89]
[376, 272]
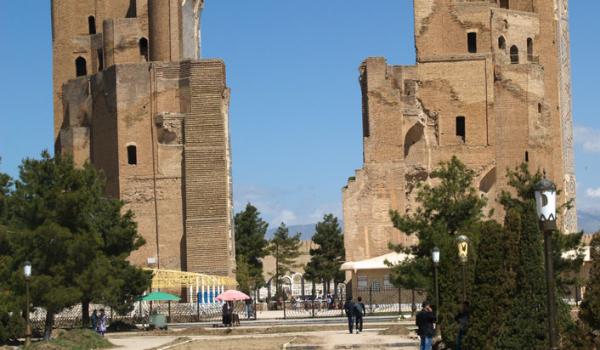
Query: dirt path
[370, 339]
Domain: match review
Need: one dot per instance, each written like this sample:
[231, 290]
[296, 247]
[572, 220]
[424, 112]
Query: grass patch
[77, 339]
[395, 330]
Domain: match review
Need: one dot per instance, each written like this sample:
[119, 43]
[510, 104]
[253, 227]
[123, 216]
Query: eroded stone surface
[144, 90]
[512, 112]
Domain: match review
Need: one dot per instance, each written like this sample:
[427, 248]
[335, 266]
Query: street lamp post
[435, 257]
[545, 198]
[463, 253]
[27, 274]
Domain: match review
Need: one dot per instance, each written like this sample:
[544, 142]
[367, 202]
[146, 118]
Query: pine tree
[493, 286]
[77, 240]
[328, 256]
[5, 184]
[590, 307]
[250, 247]
[451, 208]
[285, 249]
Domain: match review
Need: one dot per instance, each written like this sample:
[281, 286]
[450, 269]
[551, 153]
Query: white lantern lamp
[27, 270]
[435, 256]
[545, 200]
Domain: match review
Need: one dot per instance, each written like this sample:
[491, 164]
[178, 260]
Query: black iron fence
[389, 300]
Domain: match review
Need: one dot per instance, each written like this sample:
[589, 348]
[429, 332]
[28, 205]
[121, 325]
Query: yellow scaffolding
[172, 279]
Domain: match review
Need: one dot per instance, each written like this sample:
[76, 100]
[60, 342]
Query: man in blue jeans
[349, 310]
[425, 326]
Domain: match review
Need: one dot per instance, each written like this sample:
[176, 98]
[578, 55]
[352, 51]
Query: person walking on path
[95, 320]
[102, 323]
[425, 326]
[462, 318]
[349, 310]
[249, 305]
[359, 312]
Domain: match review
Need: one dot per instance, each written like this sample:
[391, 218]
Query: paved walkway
[370, 339]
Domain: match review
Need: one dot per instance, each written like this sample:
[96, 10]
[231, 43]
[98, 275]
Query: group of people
[99, 322]
[426, 325]
[354, 313]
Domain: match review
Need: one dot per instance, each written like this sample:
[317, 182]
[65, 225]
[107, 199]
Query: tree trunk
[85, 314]
[48, 325]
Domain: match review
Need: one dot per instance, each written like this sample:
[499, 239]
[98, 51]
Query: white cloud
[286, 216]
[587, 138]
[593, 192]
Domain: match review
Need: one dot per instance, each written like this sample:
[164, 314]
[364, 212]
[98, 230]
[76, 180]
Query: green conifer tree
[451, 208]
[527, 328]
[328, 255]
[285, 249]
[250, 247]
[493, 287]
[590, 307]
[77, 240]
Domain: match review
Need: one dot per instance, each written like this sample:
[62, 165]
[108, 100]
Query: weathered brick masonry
[491, 86]
[133, 97]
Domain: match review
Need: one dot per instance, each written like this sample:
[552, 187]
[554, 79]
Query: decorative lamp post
[27, 274]
[545, 199]
[463, 254]
[435, 257]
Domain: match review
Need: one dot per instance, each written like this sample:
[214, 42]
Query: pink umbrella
[232, 295]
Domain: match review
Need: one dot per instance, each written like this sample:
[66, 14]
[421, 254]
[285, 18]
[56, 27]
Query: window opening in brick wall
[527, 156]
[91, 25]
[100, 60]
[514, 55]
[80, 66]
[144, 48]
[539, 108]
[504, 4]
[530, 49]
[472, 42]
[461, 127]
[501, 43]
[132, 155]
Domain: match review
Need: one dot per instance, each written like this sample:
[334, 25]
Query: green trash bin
[158, 321]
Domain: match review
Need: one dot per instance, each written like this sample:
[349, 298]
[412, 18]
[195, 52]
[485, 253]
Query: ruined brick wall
[498, 71]
[158, 129]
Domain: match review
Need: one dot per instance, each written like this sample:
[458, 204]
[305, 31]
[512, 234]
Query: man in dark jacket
[349, 310]
[359, 312]
[425, 324]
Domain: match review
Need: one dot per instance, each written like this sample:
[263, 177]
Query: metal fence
[380, 301]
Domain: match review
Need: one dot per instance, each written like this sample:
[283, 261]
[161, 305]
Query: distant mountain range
[588, 222]
[306, 231]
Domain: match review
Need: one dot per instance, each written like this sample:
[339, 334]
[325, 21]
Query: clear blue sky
[296, 106]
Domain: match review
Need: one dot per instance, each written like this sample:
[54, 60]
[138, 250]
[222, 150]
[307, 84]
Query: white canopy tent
[377, 263]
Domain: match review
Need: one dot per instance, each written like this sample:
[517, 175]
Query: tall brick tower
[133, 97]
[492, 85]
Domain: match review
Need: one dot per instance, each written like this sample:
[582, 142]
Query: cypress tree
[590, 307]
[492, 288]
[527, 323]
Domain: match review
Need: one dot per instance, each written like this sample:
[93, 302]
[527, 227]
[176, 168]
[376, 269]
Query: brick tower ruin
[492, 85]
[133, 97]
